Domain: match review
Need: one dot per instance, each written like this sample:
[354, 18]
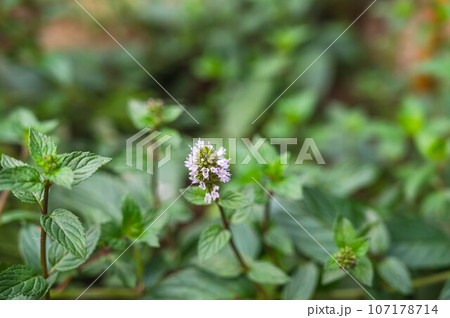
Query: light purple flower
[208, 168]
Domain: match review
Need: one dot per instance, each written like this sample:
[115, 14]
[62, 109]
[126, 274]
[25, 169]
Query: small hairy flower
[208, 168]
[346, 258]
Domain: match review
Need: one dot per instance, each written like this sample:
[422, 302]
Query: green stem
[154, 180]
[432, 279]
[266, 219]
[44, 237]
[244, 266]
[226, 224]
[139, 270]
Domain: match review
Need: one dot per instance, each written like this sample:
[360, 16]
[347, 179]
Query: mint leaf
[29, 245]
[42, 148]
[23, 178]
[132, 225]
[171, 113]
[66, 229]
[279, 240]
[363, 271]
[29, 197]
[62, 176]
[344, 233]
[396, 274]
[62, 261]
[266, 273]
[303, 284]
[212, 240]
[83, 164]
[194, 195]
[20, 281]
[9, 162]
[233, 200]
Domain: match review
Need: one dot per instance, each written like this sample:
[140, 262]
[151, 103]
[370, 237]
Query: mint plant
[154, 115]
[208, 168]
[30, 184]
[351, 256]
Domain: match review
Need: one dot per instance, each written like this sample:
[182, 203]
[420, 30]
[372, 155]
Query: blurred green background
[377, 103]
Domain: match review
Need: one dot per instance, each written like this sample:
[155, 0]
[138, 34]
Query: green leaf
[193, 283]
[332, 274]
[266, 273]
[419, 244]
[212, 240]
[279, 240]
[26, 197]
[396, 274]
[194, 195]
[83, 164]
[360, 246]
[20, 281]
[42, 148]
[171, 113]
[223, 264]
[29, 245]
[29, 197]
[233, 200]
[66, 229]
[18, 216]
[62, 176]
[132, 225]
[303, 284]
[241, 215]
[289, 187]
[344, 233]
[9, 162]
[23, 178]
[363, 271]
[139, 114]
[379, 238]
[445, 292]
[62, 261]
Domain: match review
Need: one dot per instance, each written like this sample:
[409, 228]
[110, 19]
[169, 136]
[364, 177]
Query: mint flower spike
[208, 168]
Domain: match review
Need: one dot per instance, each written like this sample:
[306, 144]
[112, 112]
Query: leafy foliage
[20, 281]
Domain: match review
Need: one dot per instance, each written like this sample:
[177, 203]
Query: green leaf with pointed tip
[303, 283]
[61, 260]
[42, 148]
[21, 281]
[83, 164]
[396, 274]
[171, 113]
[212, 240]
[132, 225]
[194, 195]
[344, 233]
[23, 178]
[266, 273]
[233, 200]
[66, 229]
